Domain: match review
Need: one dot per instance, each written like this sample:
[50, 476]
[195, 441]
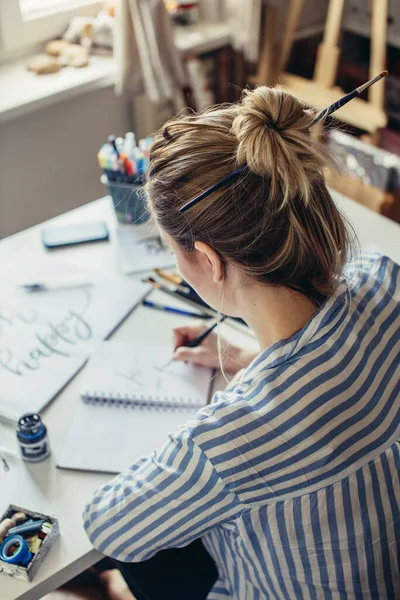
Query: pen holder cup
[128, 199]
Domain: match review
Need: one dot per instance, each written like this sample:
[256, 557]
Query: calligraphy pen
[198, 339]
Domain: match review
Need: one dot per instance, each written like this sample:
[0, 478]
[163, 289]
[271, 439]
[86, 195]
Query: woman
[291, 476]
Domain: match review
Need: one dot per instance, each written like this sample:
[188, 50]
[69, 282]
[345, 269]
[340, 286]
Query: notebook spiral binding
[139, 402]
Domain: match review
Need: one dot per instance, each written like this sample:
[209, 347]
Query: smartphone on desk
[70, 235]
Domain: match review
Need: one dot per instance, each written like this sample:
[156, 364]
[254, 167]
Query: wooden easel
[267, 71]
[320, 91]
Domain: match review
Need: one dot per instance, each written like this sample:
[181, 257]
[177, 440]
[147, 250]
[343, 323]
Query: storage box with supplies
[25, 540]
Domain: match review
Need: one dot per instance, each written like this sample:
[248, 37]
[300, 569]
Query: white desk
[67, 491]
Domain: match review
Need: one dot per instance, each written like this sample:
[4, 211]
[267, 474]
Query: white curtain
[145, 53]
[245, 17]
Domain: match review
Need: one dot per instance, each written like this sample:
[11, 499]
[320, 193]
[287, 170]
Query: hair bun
[273, 133]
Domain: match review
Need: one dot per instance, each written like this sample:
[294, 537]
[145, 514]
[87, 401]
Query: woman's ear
[211, 260]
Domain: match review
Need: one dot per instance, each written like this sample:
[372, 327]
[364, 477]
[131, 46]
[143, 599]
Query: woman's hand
[233, 357]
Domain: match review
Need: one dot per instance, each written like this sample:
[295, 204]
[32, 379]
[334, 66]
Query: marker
[102, 159]
[130, 144]
[113, 142]
[140, 160]
[177, 311]
[119, 142]
[128, 167]
[116, 166]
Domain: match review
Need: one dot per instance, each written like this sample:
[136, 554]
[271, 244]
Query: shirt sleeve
[164, 501]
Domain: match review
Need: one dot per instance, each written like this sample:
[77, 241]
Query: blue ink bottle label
[33, 439]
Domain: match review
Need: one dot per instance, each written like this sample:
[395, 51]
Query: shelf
[23, 92]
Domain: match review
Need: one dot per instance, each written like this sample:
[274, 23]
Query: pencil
[175, 279]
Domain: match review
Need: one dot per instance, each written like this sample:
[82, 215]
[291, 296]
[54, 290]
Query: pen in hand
[198, 339]
[202, 336]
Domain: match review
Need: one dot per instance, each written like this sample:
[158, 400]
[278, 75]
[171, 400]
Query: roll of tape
[20, 555]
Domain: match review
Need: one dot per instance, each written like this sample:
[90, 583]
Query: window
[24, 23]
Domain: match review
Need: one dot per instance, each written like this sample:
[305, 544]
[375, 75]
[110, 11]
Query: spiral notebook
[130, 401]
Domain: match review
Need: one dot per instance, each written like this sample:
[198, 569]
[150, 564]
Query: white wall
[48, 158]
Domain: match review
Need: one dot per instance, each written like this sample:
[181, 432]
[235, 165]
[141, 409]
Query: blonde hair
[277, 221]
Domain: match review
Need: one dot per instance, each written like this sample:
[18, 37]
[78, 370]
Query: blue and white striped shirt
[291, 477]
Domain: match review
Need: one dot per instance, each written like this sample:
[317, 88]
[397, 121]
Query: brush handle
[200, 338]
[345, 99]
[336, 105]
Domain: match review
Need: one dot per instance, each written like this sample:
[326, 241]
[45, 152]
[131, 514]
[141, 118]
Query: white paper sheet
[140, 249]
[17, 485]
[108, 439]
[46, 337]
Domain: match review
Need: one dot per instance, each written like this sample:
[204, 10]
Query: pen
[184, 293]
[189, 296]
[177, 311]
[198, 339]
[37, 286]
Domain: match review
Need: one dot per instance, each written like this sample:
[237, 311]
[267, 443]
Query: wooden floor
[108, 585]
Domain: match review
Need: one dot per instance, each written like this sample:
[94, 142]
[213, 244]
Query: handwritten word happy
[53, 338]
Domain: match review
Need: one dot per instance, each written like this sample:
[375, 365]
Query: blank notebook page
[109, 439]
